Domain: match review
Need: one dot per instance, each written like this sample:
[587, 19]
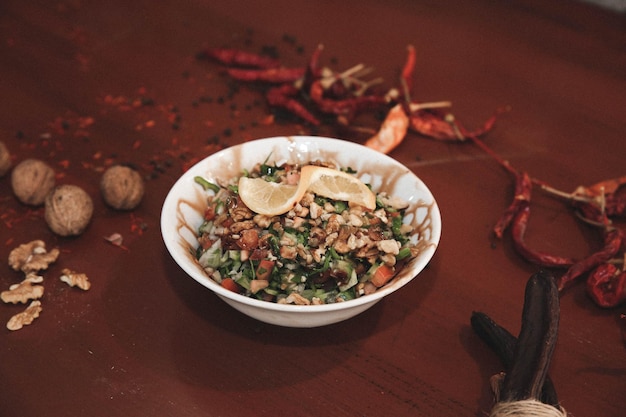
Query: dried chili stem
[568, 196]
[429, 105]
[366, 85]
[331, 78]
[482, 145]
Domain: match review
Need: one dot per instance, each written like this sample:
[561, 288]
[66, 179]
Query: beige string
[522, 408]
[525, 408]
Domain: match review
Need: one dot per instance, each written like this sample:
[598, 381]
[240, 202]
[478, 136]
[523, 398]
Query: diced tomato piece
[382, 275]
[205, 242]
[264, 269]
[231, 285]
[209, 213]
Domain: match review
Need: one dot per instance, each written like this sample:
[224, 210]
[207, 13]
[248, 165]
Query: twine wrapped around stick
[521, 408]
[525, 408]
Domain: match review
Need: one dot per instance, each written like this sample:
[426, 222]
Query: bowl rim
[173, 245]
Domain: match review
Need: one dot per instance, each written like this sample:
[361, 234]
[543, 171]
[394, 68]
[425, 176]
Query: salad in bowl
[300, 231]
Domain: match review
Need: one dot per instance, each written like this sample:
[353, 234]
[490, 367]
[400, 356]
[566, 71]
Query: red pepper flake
[11, 217]
[189, 163]
[81, 133]
[85, 122]
[64, 163]
[137, 225]
[136, 144]
[60, 125]
[267, 120]
[83, 61]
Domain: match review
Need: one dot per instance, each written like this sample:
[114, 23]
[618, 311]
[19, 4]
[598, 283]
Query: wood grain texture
[86, 83]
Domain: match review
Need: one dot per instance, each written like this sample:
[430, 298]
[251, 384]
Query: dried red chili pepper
[487, 125]
[615, 205]
[609, 206]
[613, 239]
[600, 201]
[606, 285]
[523, 188]
[441, 125]
[392, 131]
[591, 212]
[407, 72]
[346, 107]
[313, 69]
[239, 58]
[277, 75]
[283, 97]
[603, 187]
[518, 231]
[433, 123]
[516, 216]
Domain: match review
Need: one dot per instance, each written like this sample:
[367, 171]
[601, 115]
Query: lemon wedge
[273, 199]
[337, 185]
[269, 198]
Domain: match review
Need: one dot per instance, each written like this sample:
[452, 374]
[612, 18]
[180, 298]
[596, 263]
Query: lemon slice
[273, 199]
[269, 198]
[337, 185]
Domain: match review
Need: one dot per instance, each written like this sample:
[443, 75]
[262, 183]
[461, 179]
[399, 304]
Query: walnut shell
[122, 187]
[68, 210]
[5, 159]
[32, 180]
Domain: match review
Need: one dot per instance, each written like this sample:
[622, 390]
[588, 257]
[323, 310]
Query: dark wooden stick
[536, 341]
[503, 343]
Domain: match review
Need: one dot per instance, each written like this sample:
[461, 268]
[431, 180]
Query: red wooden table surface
[84, 84]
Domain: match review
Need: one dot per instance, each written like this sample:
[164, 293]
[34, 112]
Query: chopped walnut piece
[295, 298]
[32, 257]
[75, 279]
[24, 291]
[115, 239]
[25, 317]
[257, 285]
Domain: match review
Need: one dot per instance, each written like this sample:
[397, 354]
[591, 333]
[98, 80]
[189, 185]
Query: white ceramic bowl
[184, 206]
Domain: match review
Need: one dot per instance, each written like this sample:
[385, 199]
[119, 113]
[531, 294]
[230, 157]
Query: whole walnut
[5, 159]
[68, 210]
[122, 187]
[32, 180]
